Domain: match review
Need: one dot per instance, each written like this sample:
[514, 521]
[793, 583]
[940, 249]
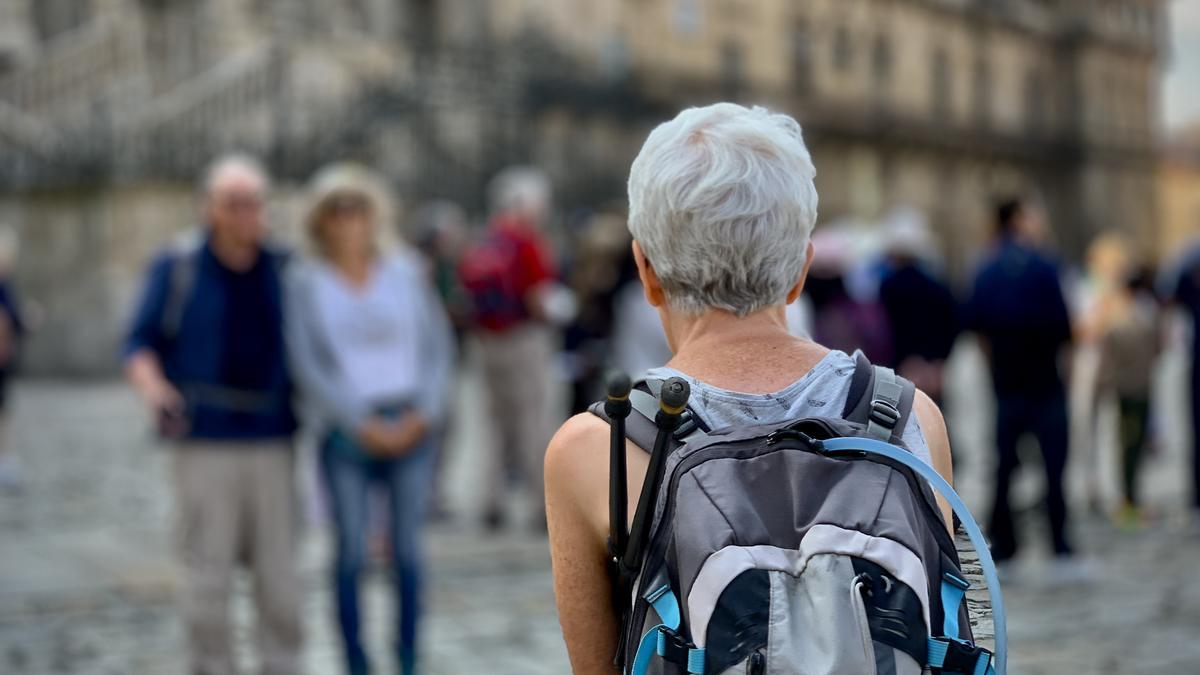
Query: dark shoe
[493, 520]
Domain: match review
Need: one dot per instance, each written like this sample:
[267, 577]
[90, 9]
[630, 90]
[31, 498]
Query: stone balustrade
[75, 71]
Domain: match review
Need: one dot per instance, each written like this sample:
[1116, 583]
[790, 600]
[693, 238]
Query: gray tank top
[821, 392]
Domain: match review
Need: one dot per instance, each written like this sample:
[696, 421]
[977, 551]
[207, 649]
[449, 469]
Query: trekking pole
[617, 407]
[672, 403]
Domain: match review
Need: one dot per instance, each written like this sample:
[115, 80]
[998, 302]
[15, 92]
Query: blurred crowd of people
[356, 335]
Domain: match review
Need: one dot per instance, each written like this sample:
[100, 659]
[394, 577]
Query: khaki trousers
[516, 370]
[236, 504]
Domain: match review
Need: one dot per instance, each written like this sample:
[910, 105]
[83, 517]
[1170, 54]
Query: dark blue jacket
[225, 350]
[1018, 306]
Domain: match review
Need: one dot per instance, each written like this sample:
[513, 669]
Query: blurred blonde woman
[371, 351]
[1122, 328]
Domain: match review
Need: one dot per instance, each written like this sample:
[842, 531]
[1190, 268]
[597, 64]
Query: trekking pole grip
[672, 401]
[617, 407]
[617, 388]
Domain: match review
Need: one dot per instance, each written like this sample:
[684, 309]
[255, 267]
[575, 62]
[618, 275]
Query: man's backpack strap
[184, 269]
[879, 399]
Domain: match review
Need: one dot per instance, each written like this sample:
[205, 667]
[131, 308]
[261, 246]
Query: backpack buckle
[960, 656]
[674, 649]
[884, 413]
[687, 424]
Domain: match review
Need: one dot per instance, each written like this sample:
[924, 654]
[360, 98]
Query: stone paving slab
[87, 584]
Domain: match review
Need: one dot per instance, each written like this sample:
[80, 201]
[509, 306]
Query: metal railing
[74, 71]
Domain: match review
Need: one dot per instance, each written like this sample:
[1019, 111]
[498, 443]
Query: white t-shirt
[372, 332]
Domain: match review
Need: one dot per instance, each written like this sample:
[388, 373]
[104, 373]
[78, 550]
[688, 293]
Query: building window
[843, 51]
[55, 17]
[801, 57]
[1035, 102]
[981, 92]
[687, 17]
[731, 70]
[940, 78]
[881, 63]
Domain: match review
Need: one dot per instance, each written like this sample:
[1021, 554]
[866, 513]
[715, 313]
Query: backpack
[808, 547]
[486, 271]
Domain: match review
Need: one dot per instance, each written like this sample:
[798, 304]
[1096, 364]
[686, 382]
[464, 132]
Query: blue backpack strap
[659, 639]
[940, 485]
[954, 590]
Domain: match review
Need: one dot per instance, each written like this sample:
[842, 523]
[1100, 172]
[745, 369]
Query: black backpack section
[879, 402]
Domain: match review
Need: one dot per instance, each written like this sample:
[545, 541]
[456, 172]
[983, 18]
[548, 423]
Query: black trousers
[1044, 416]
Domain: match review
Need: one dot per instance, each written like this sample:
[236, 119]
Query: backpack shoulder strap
[184, 266]
[879, 399]
[640, 426]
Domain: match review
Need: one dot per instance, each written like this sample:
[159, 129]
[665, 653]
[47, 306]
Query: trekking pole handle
[673, 398]
[672, 401]
[617, 388]
[617, 407]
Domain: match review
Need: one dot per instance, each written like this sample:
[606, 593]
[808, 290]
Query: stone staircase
[96, 63]
[55, 110]
[86, 110]
[233, 104]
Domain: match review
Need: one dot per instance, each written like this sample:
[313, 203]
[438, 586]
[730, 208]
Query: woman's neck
[355, 267]
[755, 353]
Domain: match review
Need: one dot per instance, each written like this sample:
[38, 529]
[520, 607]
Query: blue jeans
[407, 481]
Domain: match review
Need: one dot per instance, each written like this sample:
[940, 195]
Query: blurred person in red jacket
[510, 277]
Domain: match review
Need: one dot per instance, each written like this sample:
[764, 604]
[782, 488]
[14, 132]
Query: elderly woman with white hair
[372, 351]
[721, 207]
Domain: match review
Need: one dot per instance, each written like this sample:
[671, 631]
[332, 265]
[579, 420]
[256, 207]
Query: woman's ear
[799, 287]
[650, 284]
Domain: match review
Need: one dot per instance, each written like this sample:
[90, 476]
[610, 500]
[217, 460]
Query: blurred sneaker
[1071, 570]
[12, 477]
[1128, 518]
[493, 521]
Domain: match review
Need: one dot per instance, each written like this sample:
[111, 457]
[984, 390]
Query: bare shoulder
[577, 468]
[933, 425]
[577, 442]
[930, 416]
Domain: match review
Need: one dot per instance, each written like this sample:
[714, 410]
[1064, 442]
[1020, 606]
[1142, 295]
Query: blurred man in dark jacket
[1019, 312]
[206, 354]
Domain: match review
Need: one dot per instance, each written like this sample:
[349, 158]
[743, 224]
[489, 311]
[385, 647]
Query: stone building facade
[109, 108]
[1179, 195]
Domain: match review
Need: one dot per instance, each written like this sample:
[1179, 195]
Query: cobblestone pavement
[87, 583]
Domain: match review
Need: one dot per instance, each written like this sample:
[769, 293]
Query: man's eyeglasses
[241, 203]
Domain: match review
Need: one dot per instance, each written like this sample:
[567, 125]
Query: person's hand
[387, 438]
[167, 407]
[411, 430]
[377, 436]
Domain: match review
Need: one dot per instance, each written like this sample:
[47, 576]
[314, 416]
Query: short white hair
[520, 188]
[235, 164]
[722, 203]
